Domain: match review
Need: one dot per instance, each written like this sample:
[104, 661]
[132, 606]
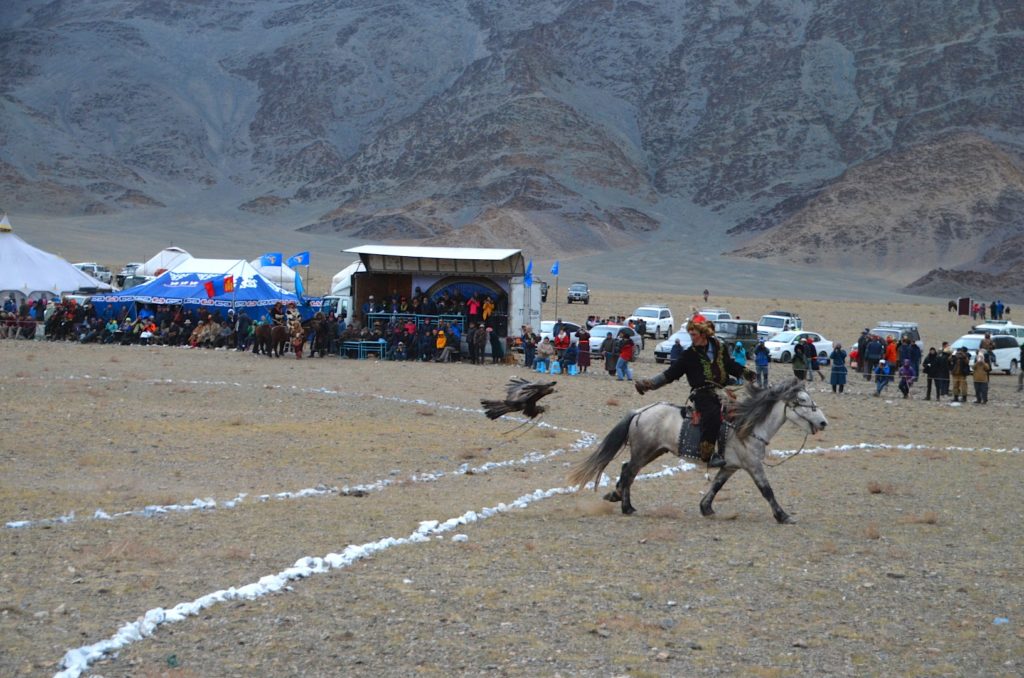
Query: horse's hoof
[786, 520]
[707, 512]
[613, 497]
[628, 510]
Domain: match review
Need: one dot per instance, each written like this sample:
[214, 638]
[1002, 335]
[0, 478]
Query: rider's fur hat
[705, 327]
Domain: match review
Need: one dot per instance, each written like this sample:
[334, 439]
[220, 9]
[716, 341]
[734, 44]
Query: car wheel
[586, 302]
[1013, 367]
[785, 357]
[669, 333]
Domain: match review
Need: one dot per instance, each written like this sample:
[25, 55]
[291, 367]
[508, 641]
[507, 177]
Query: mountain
[567, 125]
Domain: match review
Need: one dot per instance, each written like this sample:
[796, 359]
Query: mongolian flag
[271, 259]
[229, 283]
[211, 290]
[300, 259]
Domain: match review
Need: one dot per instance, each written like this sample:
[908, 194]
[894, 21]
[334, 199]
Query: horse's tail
[592, 467]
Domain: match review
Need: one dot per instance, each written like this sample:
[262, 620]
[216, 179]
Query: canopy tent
[282, 276]
[165, 260]
[186, 286]
[29, 272]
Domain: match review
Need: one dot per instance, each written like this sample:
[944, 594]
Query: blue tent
[186, 285]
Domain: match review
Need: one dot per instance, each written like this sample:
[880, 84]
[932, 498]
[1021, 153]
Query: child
[907, 376]
[883, 375]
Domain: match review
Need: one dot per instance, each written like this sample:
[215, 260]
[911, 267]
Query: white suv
[1005, 355]
[658, 320]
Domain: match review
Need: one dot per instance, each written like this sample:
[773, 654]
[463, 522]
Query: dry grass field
[907, 557]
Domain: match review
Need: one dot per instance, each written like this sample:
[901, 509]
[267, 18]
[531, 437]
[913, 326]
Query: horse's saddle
[689, 433]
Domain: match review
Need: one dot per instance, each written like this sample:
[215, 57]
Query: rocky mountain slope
[568, 125]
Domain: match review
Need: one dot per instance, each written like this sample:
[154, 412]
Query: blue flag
[271, 259]
[298, 285]
[300, 259]
[554, 269]
[528, 278]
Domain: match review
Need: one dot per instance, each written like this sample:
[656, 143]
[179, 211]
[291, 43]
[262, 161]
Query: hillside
[579, 128]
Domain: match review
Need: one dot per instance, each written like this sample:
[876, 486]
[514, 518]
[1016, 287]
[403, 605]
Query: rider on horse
[707, 366]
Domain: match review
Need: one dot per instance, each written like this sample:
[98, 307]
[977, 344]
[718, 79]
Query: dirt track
[900, 563]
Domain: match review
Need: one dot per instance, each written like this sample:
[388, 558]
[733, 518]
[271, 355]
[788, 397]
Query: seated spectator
[570, 356]
[545, 354]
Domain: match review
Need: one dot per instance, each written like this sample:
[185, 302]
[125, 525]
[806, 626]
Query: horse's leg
[761, 480]
[629, 471]
[616, 494]
[723, 475]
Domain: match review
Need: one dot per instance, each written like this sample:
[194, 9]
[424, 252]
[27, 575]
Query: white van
[98, 271]
[1000, 327]
[1006, 355]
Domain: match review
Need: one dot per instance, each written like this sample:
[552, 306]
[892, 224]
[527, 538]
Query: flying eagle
[522, 397]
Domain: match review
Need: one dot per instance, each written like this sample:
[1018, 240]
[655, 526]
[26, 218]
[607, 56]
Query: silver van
[1000, 327]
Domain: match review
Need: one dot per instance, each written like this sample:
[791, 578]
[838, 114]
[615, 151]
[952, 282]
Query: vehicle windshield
[646, 313]
[784, 337]
[772, 322]
[970, 343]
[601, 330]
[578, 287]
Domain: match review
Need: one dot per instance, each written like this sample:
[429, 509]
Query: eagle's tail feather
[495, 408]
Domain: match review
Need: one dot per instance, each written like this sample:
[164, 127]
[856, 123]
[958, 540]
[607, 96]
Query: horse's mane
[758, 404]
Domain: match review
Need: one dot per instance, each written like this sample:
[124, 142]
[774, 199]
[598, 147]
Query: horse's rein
[813, 406]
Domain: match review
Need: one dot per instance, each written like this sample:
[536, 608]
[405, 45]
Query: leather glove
[643, 385]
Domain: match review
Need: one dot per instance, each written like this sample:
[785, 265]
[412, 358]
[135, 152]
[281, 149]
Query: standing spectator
[739, 356]
[907, 376]
[941, 369]
[981, 372]
[473, 309]
[909, 350]
[497, 353]
[883, 375]
[562, 341]
[583, 346]
[838, 376]
[862, 348]
[960, 368]
[609, 354]
[929, 365]
[706, 295]
[479, 340]
[892, 354]
[873, 352]
[622, 367]
[811, 355]
[1020, 371]
[988, 345]
[762, 360]
[799, 362]
[529, 341]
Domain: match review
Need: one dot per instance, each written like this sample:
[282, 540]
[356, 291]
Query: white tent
[27, 271]
[283, 276]
[164, 260]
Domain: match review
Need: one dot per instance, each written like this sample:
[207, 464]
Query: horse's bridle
[795, 405]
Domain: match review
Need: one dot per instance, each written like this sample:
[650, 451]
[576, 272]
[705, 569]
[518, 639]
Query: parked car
[781, 346]
[897, 329]
[547, 328]
[715, 314]
[731, 331]
[1000, 327]
[597, 335]
[579, 291]
[98, 271]
[1005, 356]
[663, 351]
[658, 320]
[772, 323]
[128, 270]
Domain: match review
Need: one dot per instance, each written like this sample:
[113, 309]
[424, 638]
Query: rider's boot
[710, 455]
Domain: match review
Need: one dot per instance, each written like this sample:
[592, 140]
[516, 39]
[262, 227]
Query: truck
[772, 323]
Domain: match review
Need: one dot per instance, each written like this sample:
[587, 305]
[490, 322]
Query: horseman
[707, 366]
[277, 316]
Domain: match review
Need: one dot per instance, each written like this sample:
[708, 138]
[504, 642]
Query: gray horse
[653, 430]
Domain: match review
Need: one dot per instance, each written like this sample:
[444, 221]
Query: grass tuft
[875, 487]
[871, 531]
